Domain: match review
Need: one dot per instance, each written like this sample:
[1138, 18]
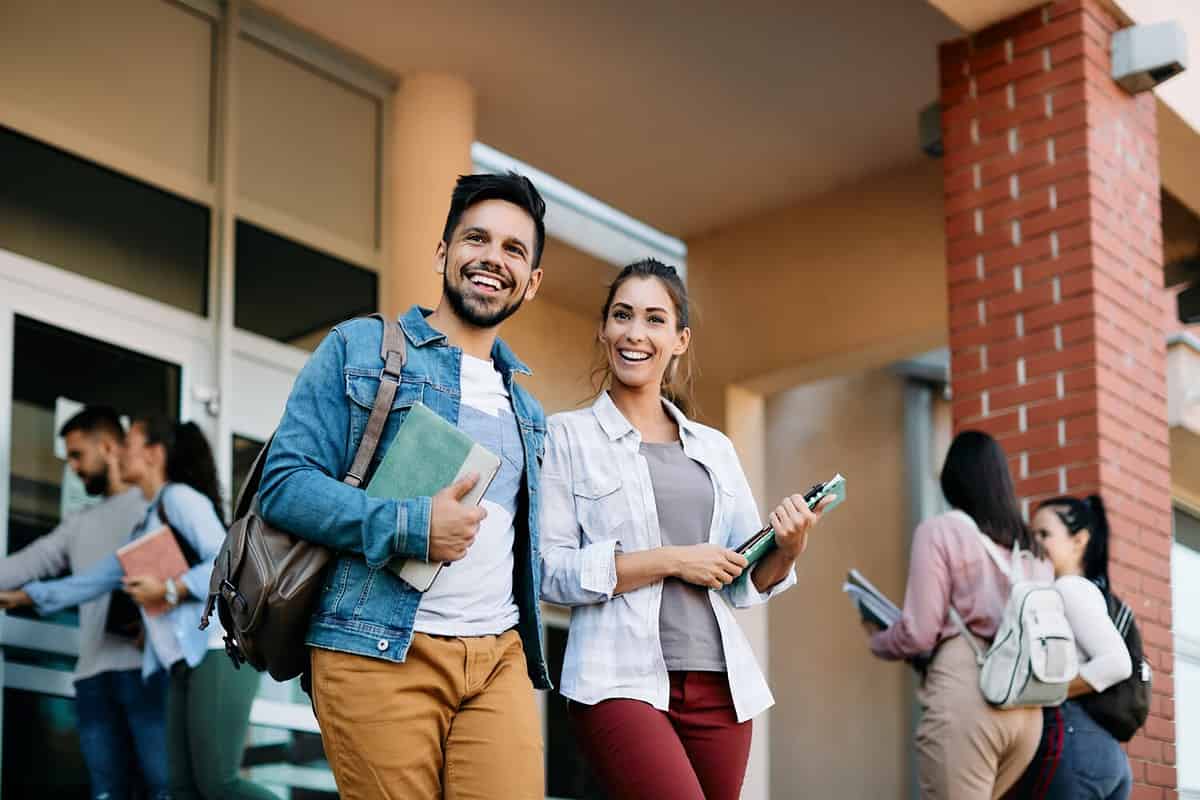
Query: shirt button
[382, 645]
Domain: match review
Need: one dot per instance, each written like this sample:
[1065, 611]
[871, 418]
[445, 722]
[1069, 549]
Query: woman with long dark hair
[966, 749]
[208, 701]
[640, 509]
[1085, 761]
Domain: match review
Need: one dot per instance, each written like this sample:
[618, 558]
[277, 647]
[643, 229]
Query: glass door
[68, 340]
[284, 748]
[54, 372]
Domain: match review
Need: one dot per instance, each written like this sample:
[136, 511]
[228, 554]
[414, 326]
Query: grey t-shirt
[80, 541]
[683, 495]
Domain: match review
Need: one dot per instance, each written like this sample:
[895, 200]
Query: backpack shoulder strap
[1122, 615]
[248, 493]
[1013, 570]
[980, 656]
[394, 355]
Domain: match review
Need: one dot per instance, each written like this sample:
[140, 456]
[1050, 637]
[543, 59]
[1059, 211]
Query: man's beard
[476, 316]
[97, 483]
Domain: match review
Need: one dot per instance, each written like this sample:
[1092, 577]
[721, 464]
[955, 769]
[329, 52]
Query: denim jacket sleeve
[51, 596]
[573, 574]
[193, 517]
[301, 488]
[742, 593]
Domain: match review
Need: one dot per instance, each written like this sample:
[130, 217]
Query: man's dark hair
[513, 188]
[95, 419]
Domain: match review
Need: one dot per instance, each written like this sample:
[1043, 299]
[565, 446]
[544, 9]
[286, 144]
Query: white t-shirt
[1103, 657]
[474, 595]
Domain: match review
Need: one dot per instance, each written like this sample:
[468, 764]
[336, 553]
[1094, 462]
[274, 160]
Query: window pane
[294, 294]
[1187, 722]
[1185, 576]
[72, 214]
[136, 73]
[41, 747]
[1187, 530]
[307, 145]
[290, 763]
[40, 484]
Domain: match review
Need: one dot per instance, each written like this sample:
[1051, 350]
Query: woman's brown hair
[679, 378]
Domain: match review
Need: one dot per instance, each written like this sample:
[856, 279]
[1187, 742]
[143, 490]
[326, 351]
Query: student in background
[209, 701]
[661, 681]
[122, 719]
[966, 749]
[1091, 763]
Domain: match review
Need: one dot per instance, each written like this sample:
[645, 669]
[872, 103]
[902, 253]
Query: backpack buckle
[234, 652]
[233, 596]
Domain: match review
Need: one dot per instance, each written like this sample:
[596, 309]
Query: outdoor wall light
[1144, 56]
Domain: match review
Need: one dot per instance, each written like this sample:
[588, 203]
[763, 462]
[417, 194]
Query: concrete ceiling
[574, 279]
[688, 116]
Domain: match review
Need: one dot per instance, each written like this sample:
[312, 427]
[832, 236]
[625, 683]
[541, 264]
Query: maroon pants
[697, 750]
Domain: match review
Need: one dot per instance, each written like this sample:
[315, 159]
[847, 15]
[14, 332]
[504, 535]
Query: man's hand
[708, 565]
[793, 520]
[145, 589]
[15, 599]
[453, 525]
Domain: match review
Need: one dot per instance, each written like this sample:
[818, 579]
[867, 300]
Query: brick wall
[1054, 253]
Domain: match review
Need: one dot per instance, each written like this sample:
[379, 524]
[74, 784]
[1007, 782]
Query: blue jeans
[1093, 764]
[122, 725]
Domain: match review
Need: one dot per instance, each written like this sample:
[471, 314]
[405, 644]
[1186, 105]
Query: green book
[763, 542]
[427, 455]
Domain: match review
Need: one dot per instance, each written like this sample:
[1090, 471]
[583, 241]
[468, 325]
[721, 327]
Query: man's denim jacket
[364, 608]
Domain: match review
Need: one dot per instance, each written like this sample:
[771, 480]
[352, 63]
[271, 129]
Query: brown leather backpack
[265, 581]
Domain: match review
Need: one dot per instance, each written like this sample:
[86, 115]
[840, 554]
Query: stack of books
[873, 605]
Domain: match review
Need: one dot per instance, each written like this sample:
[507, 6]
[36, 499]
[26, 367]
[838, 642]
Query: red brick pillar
[1054, 253]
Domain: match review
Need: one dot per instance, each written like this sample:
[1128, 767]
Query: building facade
[192, 192]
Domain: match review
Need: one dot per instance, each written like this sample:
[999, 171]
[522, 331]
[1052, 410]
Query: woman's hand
[146, 590]
[15, 599]
[708, 565]
[793, 521]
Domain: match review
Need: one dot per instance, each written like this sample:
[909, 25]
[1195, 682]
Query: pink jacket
[950, 565]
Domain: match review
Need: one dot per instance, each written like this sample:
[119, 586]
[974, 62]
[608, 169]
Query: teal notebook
[427, 455]
[763, 542]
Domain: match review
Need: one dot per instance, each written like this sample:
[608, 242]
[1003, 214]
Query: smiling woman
[644, 334]
[670, 715]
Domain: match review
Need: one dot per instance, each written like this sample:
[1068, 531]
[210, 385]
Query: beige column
[428, 145]
[745, 425]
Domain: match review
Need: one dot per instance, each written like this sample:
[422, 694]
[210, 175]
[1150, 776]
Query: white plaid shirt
[597, 500]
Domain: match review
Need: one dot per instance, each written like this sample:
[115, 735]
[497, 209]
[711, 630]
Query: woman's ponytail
[1086, 514]
[1095, 555]
[190, 460]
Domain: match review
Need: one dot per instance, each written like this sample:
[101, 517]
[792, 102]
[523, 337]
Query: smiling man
[428, 695]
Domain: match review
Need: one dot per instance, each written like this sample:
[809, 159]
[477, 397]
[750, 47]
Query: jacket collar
[421, 333]
[615, 426]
